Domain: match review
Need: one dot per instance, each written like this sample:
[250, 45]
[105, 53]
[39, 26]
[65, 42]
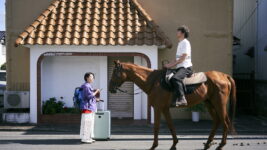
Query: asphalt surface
[37, 140]
[252, 135]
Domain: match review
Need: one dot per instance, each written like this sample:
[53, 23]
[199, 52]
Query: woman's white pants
[87, 126]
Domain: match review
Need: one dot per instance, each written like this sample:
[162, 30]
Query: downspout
[257, 43]
[256, 53]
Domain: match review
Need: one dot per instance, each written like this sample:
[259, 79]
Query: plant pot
[195, 116]
[16, 117]
[60, 119]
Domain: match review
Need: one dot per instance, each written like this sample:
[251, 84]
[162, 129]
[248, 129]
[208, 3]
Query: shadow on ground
[245, 125]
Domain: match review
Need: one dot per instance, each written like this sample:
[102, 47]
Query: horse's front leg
[167, 115]
[156, 127]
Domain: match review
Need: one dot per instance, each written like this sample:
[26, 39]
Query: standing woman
[88, 106]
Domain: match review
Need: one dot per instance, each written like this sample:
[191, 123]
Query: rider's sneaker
[181, 102]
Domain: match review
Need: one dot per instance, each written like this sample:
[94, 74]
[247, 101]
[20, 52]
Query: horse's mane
[137, 66]
[154, 74]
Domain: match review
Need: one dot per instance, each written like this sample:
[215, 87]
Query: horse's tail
[232, 104]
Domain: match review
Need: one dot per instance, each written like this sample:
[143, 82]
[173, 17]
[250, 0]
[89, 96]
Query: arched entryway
[74, 118]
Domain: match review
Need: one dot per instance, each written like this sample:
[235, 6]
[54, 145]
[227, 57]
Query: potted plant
[54, 111]
[196, 109]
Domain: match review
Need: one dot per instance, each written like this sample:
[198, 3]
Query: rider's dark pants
[177, 81]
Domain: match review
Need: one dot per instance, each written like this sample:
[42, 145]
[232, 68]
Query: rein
[126, 92]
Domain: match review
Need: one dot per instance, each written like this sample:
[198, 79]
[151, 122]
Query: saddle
[191, 81]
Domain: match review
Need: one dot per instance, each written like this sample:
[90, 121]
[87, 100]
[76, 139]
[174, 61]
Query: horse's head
[118, 77]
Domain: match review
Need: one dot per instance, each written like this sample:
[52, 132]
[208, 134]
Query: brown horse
[215, 93]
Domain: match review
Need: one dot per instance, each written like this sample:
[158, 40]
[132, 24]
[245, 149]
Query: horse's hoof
[173, 148]
[220, 147]
[174, 144]
[206, 147]
[153, 147]
[176, 141]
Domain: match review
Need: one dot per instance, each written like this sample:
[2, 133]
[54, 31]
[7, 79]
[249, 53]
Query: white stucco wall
[140, 100]
[36, 51]
[2, 54]
[61, 74]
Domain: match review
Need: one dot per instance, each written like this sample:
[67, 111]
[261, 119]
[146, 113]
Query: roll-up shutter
[120, 104]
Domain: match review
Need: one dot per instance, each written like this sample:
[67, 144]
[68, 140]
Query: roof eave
[23, 36]
[153, 24]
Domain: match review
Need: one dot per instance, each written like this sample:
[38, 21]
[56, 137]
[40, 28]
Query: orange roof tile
[94, 22]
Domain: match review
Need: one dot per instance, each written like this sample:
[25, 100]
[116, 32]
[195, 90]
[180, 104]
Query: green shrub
[3, 66]
[52, 106]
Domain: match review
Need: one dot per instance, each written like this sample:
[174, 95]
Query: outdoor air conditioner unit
[16, 99]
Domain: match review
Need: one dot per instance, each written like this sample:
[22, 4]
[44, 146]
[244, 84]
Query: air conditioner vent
[13, 99]
[16, 99]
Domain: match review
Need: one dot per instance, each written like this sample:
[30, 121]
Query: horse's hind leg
[216, 122]
[222, 113]
[167, 115]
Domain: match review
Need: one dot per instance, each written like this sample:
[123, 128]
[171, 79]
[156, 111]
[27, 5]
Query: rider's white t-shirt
[184, 47]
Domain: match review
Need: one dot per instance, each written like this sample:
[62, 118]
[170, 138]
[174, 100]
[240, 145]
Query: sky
[2, 15]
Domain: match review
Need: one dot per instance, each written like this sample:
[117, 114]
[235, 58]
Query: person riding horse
[183, 65]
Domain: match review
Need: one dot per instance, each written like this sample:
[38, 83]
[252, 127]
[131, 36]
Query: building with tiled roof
[90, 32]
[52, 43]
[94, 22]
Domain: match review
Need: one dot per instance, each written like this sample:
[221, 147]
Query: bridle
[124, 91]
[116, 87]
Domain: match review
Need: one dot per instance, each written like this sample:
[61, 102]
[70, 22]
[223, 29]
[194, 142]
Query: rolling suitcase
[102, 125]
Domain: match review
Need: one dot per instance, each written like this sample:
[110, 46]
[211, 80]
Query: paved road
[40, 140]
[133, 135]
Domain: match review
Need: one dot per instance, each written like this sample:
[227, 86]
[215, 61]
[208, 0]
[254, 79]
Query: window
[2, 76]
